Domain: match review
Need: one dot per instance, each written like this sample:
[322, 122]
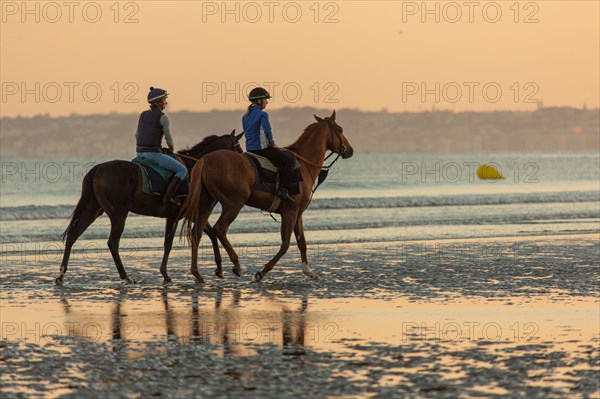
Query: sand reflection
[219, 317]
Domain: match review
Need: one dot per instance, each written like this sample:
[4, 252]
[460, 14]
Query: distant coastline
[545, 129]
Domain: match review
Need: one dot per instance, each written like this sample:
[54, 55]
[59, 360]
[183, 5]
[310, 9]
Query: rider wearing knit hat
[152, 126]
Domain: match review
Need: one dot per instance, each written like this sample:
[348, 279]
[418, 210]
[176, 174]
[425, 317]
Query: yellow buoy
[488, 172]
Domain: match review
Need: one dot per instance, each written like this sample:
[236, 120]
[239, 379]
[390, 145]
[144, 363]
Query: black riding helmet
[258, 93]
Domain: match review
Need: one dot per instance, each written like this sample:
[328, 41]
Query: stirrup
[284, 195]
[171, 201]
[169, 195]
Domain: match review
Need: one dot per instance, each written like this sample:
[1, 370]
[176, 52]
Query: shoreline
[57, 247]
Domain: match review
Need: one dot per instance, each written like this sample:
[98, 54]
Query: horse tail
[190, 210]
[87, 195]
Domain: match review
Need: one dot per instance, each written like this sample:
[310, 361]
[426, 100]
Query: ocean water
[367, 198]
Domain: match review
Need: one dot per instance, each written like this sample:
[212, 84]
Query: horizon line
[383, 110]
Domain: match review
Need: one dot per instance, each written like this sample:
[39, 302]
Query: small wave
[36, 212]
[455, 200]
[41, 212]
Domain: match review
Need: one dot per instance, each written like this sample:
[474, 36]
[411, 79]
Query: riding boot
[168, 196]
[282, 193]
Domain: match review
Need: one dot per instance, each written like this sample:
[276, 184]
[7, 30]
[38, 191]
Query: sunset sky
[101, 57]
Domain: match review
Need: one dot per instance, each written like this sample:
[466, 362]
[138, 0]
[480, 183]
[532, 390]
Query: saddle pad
[155, 178]
[265, 163]
[266, 175]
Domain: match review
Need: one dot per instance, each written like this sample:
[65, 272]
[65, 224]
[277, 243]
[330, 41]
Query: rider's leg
[179, 170]
[285, 161]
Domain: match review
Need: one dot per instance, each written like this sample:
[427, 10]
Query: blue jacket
[257, 129]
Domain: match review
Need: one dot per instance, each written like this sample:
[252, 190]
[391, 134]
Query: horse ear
[317, 118]
[239, 136]
[333, 115]
[232, 132]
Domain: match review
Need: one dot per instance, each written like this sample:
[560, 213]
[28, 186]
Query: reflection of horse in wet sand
[224, 326]
[294, 329]
[93, 328]
[115, 188]
[233, 187]
[219, 323]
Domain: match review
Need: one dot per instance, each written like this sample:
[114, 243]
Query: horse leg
[76, 228]
[117, 226]
[287, 225]
[205, 208]
[210, 232]
[227, 217]
[301, 241]
[195, 242]
[170, 228]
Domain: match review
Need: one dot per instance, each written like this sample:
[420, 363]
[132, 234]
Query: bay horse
[228, 178]
[115, 188]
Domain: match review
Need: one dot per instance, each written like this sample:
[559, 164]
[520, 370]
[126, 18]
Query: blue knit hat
[156, 94]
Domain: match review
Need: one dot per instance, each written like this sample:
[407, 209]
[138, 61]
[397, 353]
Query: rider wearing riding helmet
[259, 139]
[152, 126]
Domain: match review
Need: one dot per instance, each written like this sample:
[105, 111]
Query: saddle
[155, 178]
[267, 175]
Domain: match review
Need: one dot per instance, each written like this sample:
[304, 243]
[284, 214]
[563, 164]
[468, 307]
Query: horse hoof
[237, 271]
[58, 281]
[166, 277]
[219, 273]
[257, 277]
[128, 280]
[199, 281]
[306, 270]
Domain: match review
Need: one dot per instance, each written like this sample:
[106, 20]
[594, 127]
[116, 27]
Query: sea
[371, 197]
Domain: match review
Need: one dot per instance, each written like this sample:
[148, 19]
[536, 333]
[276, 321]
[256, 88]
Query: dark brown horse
[228, 178]
[115, 187]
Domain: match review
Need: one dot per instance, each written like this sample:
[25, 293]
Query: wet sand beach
[489, 317]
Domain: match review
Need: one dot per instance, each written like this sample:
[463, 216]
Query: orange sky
[370, 55]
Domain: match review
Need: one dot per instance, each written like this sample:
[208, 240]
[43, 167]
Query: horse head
[337, 143]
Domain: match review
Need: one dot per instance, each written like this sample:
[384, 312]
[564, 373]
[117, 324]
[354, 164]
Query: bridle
[343, 148]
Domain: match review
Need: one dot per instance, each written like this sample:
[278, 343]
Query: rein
[182, 160]
[186, 156]
[316, 165]
[324, 170]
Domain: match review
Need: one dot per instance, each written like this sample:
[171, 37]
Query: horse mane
[303, 137]
[200, 147]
